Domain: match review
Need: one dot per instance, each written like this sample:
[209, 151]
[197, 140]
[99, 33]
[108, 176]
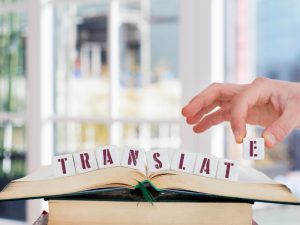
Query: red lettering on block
[107, 157]
[252, 147]
[205, 166]
[228, 166]
[158, 164]
[181, 162]
[63, 165]
[133, 156]
[84, 157]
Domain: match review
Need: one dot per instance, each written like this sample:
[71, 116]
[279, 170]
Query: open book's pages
[250, 185]
[43, 183]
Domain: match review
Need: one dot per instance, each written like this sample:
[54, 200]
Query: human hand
[272, 104]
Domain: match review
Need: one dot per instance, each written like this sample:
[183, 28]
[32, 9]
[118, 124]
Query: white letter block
[157, 160]
[85, 161]
[206, 165]
[134, 157]
[183, 161]
[107, 156]
[253, 148]
[63, 165]
[228, 170]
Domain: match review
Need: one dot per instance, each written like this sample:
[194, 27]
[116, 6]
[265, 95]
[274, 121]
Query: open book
[126, 183]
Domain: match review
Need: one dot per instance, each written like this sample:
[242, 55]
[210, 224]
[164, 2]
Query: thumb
[279, 129]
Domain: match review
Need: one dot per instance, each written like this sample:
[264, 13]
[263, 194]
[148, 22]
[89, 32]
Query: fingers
[194, 119]
[209, 96]
[221, 115]
[257, 92]
[280, 128]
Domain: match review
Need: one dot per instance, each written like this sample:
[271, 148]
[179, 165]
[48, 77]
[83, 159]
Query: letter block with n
[134, 157]
[157, 160]
[85, 161]
[63, 165]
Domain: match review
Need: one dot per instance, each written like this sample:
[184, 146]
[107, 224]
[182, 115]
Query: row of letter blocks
[157, 160]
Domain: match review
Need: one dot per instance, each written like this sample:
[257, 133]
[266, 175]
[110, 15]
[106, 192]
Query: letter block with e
[85, 161]
[253, 148]
[228, 170]
[157, 160]
[63, 165]
[107, 156]
[206, 165]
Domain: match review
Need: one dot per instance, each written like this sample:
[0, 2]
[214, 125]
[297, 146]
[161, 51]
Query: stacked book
[109, 186]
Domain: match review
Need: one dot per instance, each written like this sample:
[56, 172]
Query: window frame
[199, 20]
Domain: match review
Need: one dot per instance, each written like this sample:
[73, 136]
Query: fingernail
[269, 139]
[238, 137]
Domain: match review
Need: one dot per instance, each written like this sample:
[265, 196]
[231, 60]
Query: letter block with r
[85, 161]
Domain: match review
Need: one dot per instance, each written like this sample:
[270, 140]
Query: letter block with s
[157, 160]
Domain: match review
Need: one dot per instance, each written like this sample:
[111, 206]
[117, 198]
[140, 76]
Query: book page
[251, 185]
[42, 183]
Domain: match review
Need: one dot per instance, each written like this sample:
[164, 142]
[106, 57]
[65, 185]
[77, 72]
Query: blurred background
[75, 74]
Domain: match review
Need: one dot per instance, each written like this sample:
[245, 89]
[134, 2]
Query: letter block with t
[206, 165]
[63, 165]
[253, 148]
[183, 161]
[85, 161]
[134, 157]
[228, 170]
[107, 156]
[157, 160]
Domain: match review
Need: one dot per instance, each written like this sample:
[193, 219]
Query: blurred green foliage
[12, 62]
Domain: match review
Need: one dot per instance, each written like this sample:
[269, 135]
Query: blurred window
[12, 105]
[116, 74]
[262, 39]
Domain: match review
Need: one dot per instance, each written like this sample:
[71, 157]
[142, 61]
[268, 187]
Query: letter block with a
[107, 156]
[63, 165]
[228, 170]
[157, 160]
[183, 161]
[253, 148]
[85, 161]
[206, 165]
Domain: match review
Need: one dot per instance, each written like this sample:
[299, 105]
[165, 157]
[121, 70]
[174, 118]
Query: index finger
[214, 92]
